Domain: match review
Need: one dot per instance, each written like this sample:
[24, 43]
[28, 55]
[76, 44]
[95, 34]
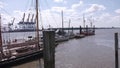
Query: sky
[102, 13]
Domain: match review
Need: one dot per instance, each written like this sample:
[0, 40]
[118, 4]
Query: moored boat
[26, 51]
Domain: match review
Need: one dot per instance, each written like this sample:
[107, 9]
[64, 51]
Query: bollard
[116, 51]
[49, 49]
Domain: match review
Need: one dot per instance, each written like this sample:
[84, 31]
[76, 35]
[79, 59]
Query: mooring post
[116, 51]
[49, 49]
[80, 29]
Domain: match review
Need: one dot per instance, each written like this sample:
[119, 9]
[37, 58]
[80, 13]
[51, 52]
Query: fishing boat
[29, 51]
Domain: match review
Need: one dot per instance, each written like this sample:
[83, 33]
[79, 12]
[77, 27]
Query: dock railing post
[49, 49]
[116, 51]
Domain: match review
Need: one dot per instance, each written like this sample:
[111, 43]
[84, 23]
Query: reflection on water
[89, 52]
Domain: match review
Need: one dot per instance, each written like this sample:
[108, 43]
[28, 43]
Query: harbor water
[95, 51]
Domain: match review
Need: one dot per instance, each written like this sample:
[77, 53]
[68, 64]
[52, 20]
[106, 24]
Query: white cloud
[75, 6]
[94, 8]
[2, 4]
[49, 18]
[59, 1]
[58, 9]
[75, 12]
[107, 20]
[117, 11]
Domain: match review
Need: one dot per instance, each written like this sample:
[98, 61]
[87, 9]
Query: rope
[53, 17]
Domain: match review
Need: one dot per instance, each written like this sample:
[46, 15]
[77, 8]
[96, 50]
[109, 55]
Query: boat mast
[83, 21]
[62, 20]
[37, 24]
[1, 49]
[69, 26]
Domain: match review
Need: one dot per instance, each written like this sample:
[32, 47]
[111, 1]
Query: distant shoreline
[74, 28]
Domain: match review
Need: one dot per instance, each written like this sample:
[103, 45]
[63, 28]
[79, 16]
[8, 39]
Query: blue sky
[103, 13]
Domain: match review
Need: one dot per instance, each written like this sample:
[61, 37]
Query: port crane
[11, 24]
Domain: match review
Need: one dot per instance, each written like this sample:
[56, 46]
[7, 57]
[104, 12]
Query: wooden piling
[49, 49]
[116, 51]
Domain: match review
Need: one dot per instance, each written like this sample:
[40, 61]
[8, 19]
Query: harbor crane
[11, 24]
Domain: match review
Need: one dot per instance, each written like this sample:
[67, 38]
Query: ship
[28, 25]
[23, 26]
[31, 50]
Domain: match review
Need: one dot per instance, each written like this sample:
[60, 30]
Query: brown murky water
[89, 52]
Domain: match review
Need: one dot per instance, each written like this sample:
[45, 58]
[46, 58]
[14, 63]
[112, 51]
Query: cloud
[58, 9]
[75, 6]
[107, 20]
[94, 8]
[52, 16]
[117, 11]
[49, 18]
[2, 5]
[59, 1]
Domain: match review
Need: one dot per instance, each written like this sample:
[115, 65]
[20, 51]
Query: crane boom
[13, 21]
[28, 17]
[32, 18]
[23, 17]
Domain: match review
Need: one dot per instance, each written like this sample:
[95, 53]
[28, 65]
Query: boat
[61, 35]
[79, 36]
[61, 38]
[88, 32]
[24, 54]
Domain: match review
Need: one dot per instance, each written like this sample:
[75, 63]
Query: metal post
[116, 51]
[49, 49]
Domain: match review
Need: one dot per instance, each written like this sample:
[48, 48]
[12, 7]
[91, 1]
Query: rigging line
[51, 13]
[45, 17]
[9, 13]
[28, 5]
[31, 5]
[41, 18]
[6, 12]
